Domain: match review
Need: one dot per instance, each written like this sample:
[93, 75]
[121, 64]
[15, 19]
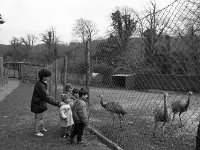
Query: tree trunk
[64, 72]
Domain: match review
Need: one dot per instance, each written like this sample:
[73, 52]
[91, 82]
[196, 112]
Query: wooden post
[1, 67]
[88, 68]
[64, 72]
[1, 72]
[50, 79]
[55, 79]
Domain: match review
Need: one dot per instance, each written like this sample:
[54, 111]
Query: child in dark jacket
[80, 116]
[39, 101]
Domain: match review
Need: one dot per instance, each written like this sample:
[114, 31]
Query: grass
[16, 122]
[137, 126]
[17, 126]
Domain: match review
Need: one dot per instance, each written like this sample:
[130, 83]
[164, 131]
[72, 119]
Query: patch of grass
[137, 129]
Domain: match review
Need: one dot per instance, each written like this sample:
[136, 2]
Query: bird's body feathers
[113, 108]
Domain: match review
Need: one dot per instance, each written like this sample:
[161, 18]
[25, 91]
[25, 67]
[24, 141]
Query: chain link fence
[162, 56]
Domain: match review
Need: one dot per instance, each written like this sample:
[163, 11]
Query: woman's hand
[61, 103]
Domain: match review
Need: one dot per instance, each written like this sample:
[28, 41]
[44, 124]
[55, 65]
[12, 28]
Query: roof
[25, 63]
[121, 75]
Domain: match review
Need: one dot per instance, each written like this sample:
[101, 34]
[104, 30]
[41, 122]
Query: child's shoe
[63, 136]
[45, 130]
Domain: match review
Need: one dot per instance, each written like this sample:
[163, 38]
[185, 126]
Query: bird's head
[166, 94]
[100, 95]
[190, 93]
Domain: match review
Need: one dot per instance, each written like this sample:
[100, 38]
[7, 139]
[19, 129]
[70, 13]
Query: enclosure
[160, 57]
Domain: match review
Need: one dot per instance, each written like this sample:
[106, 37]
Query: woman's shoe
[39, 134]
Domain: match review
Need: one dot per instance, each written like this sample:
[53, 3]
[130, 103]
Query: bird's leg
[180, 120]
[113, 118]
[155, 125]
[173, 118]
[120, 121]
[163, 127]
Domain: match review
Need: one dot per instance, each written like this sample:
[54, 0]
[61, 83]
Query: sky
[35, 17]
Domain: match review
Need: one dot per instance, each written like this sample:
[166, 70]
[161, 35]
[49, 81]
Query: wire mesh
[162, 56]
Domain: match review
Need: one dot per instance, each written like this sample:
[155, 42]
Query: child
[75, 92]
[68, 92]
[80, 116]
[66, 119]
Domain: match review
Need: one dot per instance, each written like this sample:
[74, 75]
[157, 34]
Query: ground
[17, 122]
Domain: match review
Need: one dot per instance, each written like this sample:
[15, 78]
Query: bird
[180, 106]
[161, 114]
[113, 108]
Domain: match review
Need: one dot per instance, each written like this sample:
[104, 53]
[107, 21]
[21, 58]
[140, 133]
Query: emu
[161, 115]
[113, 108]
[180, 106]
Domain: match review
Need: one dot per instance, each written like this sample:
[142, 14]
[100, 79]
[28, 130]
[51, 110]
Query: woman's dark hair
[82, 92]
[44, 73]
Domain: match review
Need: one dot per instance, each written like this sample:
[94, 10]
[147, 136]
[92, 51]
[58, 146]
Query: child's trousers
[78, 130]
[65, 131]
[39, 123]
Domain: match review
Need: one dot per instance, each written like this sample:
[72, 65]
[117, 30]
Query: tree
[154, 30]
[18, 52]
[114, 50]
[85, 30]
[188, 30]
[51, 41]
[124, 26]
[29, 42]
[1, 20]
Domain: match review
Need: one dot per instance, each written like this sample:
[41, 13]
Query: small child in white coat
[66, 118]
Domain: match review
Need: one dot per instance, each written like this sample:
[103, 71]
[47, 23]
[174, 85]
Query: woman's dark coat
[40, 98]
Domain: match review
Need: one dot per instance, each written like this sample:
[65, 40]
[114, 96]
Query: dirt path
[16, 124]
[8, 88]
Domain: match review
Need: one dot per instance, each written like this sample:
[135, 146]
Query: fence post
[88, 68]
[1, 72]
[36, 77]
[55, 79]
[1, 67]
[64, 72]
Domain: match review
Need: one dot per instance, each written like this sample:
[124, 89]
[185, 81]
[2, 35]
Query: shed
[120, 80]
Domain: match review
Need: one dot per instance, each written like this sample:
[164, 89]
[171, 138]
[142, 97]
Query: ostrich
[180, 106]
[113, 108]
[161, 115]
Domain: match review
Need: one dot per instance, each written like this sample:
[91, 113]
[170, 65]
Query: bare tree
[29, 42]
[84, 29]
[18, 53]
[155, 28]
[51, 41]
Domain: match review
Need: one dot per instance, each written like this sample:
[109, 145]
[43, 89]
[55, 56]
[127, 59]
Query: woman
[39, 101]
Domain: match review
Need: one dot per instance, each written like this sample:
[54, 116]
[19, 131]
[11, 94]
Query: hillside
[4, 49]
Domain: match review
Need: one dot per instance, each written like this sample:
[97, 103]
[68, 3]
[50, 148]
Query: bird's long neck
[165, 106]
[188, 101]
[101, 102]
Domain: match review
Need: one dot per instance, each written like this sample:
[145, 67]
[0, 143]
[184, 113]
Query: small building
[121, 80]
